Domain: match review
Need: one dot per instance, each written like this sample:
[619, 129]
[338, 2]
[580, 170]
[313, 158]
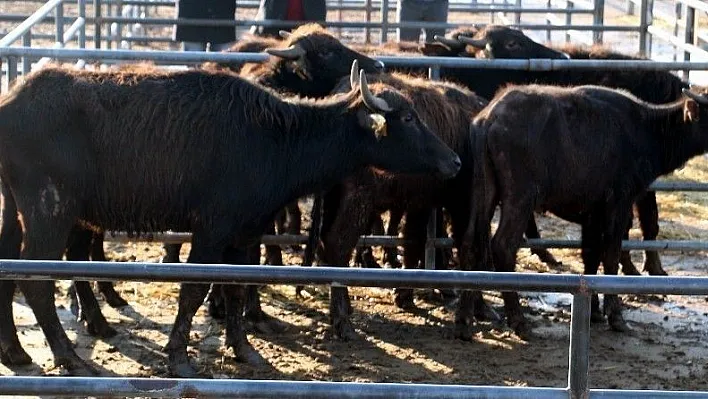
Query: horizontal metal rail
[205, 388]
[390, 241]
[345, 24]
[199, 56]
[385, 278]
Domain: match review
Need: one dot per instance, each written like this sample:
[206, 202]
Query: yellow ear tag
[378, 125]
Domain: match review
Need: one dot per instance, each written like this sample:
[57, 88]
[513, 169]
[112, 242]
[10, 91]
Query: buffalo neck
[678, 140]
[322, 147]
[284, 78]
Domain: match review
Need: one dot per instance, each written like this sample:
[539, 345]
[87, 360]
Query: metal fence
[579, 286]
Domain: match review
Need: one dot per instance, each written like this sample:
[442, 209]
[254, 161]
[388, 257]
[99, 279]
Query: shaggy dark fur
[350, 206]
[237, 154]
[586, 151]
[656, 87]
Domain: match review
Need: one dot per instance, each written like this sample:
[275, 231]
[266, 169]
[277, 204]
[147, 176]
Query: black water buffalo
[501, 42]
[237, 154]
[352, 204]
[588, 151]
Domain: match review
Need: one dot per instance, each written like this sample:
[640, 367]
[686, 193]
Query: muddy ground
[667, 348]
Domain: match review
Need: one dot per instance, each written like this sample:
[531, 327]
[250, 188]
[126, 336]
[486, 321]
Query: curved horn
[291, 53]
[448, 41]
[478, 43]
[354, 76]
[700, 99]
[371, 101]
[285, 34]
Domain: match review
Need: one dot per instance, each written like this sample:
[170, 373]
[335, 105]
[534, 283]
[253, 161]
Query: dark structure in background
[195, 38]
[288, 10]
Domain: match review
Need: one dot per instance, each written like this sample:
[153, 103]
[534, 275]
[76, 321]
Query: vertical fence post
[630, 7]
[59, 22]
[26, 62]
[578, 356]
[689, 36]
[517, 17]
[678, 10]
[433, 74]
[97, 24]
[598, 20]
[11, 71]
[81, 4]
[384, 21]
[367, 30]
[549, 5]
[645, 20]
[339, 16]
[568, 18]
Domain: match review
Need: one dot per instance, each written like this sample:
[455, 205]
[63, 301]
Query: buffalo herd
[226, 150]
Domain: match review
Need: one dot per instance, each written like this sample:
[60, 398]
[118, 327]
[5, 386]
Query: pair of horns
[358, 78]
[699, 98]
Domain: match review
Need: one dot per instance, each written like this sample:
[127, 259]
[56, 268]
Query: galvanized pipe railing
[181, 57]
[579, 286]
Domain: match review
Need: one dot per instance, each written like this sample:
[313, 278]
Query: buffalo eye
[512, 45]
[408, 117]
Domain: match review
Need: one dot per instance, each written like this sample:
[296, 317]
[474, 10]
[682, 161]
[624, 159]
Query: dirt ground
[667, 348]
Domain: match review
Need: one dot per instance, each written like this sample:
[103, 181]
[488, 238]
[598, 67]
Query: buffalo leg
[365, 255]
[649, 222]
[112, 298]
[352, 221]
[90, 310]
[394, 222]
[262, 322]
[294, 221]
[615, 226]
[543, 254]
[628, 267]
[191, 297]
[44, 240]
[171, 253]
[505, 244]
[471, 232]
[413, 254]
[591, 252]
[235, 298]
[11, 352]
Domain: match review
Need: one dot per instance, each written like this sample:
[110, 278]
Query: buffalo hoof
[246, 354]
[114, 300]
[522, 328]
[547, 258]
[630, 270]
[486, 313]
[170, 258]
[266, 324]
[343, 330]
[101, 330]
[404, 299]
[216, 310]
[183, 370]
[654, 268]
[596, 316]
[15, 356]
[464, 331]
[76, 366]
[617, 323]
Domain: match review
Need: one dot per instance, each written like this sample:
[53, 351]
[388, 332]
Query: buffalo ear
[376, 123]
[691, 111]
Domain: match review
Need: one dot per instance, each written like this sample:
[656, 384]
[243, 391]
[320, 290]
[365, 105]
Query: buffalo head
[404, 143]
[496, 41]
